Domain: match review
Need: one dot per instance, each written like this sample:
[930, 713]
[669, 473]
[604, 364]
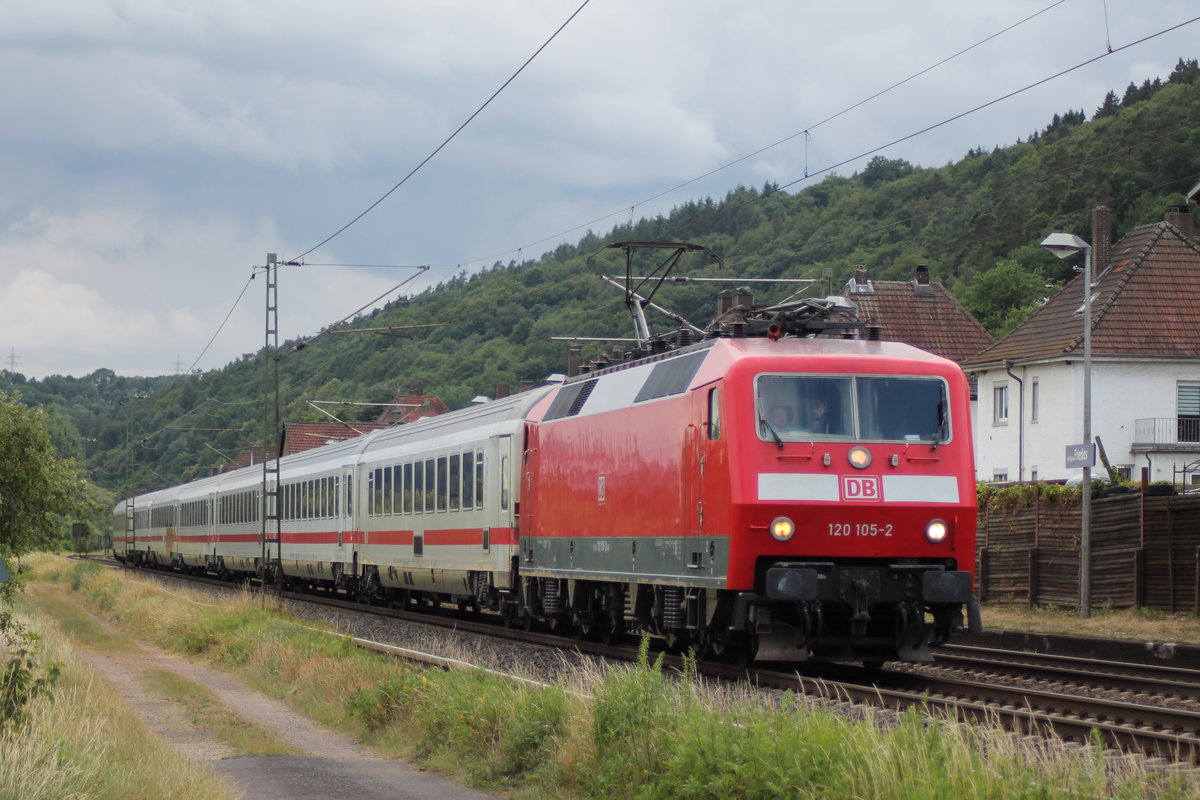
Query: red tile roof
[412, 407]
[1147, 303]
[301, 436]
[924, 315]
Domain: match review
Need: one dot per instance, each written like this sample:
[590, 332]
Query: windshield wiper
[762, 418]
[939, 434]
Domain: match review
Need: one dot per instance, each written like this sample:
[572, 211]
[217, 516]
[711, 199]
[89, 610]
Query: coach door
[347, 538]
[210, 522]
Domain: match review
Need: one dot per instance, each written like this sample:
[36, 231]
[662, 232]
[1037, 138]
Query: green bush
[82, 573]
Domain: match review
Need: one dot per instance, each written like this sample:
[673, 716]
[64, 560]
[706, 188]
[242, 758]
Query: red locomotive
[801, 498]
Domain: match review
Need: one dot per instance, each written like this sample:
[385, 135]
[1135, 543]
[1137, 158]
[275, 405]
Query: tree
[36, 487]
[1004, 296]
[1109, 107]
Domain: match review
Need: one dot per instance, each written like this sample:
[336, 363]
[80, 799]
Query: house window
[1033, 474]
[1187, 409]
[1034, 395]
[999, 475]
[1000, 404]
[1125, 472]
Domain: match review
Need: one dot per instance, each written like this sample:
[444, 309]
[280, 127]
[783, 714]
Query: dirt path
[333, 765]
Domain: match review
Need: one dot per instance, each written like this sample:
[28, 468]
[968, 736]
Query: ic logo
[861, 487]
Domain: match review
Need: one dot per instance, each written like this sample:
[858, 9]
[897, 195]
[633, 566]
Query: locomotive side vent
[585, 391]
[570, 400]
[670, 377]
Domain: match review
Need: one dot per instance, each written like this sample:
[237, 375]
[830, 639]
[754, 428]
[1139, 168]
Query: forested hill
[975, 222]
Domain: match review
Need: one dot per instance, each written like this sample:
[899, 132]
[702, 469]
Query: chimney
[1181, 217]
[572, 361]
[744, 297]
[860, 283]
[724, 302]
[1101, 239]
[527, 385]
[502, 390]
[921, 275]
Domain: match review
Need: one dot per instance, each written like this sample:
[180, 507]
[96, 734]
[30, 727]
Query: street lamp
[1064, 245]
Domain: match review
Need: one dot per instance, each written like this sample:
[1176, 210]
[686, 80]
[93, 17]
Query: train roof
[469, 424]
[674, 372]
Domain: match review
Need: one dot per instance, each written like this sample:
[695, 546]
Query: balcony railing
[1174, 433]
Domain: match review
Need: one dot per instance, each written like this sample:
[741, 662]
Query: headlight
[860, 457]
[782, 529]
[937, 531]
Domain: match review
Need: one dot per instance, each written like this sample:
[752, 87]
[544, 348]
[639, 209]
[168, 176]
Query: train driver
[780, 417]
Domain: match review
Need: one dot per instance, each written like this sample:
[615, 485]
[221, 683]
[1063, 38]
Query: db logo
[861, 487]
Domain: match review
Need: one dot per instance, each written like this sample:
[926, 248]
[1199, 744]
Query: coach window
[443, 483]
[397, 488]
[387, 490]
[504, 485]
[455, 477]
[418, 488]
[714, 415]
[406, 494]
[468, 479]
[479, 479]
[430, 486]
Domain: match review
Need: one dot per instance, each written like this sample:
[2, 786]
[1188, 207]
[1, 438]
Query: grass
[76, 622]
[206, 712]
[1138, 624]
[85, 743]
[641, 733]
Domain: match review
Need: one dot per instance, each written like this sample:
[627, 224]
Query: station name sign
[1081, 455]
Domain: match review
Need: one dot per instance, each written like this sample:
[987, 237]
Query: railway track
[1153, 710]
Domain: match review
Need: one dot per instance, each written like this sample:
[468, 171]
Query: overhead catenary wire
[956, 117]
[448, 139]
[221, 327]
[306, 342]
[1006, 188]
[806, 132]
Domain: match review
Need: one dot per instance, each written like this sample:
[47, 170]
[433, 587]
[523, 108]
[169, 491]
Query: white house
[1145, 365]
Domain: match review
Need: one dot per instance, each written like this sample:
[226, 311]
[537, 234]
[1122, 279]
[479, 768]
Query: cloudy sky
[153, 151]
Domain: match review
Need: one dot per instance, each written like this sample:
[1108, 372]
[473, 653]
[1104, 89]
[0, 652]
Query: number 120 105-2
[860, 529]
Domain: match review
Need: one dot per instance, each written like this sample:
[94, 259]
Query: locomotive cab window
[889, 408]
